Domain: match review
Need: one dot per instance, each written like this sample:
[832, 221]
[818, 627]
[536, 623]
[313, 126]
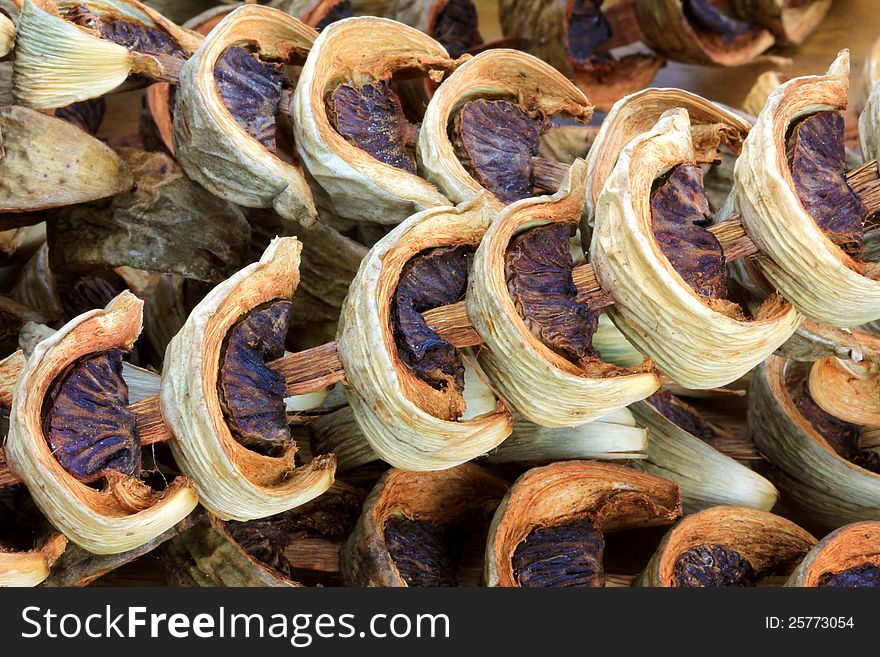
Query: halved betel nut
[848, 557]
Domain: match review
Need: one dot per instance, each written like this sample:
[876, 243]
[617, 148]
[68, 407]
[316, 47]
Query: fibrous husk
[234, 482]
[356, 185]
[694, 343]
[462, 498]
[29, 545]
[100, 521]
[612, 497]
[36, 174]
[311, 12]
[771, 544]
[870, 75]
[823, 486]
[851, 546]
[813, 341]
[765, 84]
[32, 567]
[210, 144]
[7, 34]
[567, 143]
[869, 123]
[798, 259]
[790, 21]
[525, 80]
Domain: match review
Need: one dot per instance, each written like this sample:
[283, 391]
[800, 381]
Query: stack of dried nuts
[369, 301]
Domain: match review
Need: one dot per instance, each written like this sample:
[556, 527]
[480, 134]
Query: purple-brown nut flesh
[371, 117]
[86, 115]
[251, 393]
[339, 11]
[713, 566]
[127, 33]
[79, 295]
[495, 140]
[426, 553]
[588, 29]
[706, 17]
[680, 415]
[816, 159]
[538, 267]
[566, 555]
[456, 27]
[251, 90]
[86, 419]
[864, 576]
[436, 277]
[680, 215]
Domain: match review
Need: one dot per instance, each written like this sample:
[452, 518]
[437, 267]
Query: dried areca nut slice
[70, 387]
[299, 547]
[453, 23]
[29, 546]
[225, 406]
[483, 126]
[846, 558]
[224, 117]
[813, 452]
[423, 529]
[792, 167]
[849, 389]
[728, 546]
[349, 124]
[415, 400]
[523, 302]
[585, 42]
[699, 32]
[565, 510]
[667, 273]
[790, 21]
[699, 457]
[72, 50]
[35, 174]
[7, 34]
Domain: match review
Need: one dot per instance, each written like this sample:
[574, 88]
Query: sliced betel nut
[225, 405]
[549, 530]
[667, 273]
[792, 168]
[349, 124]
[423, 529]
[29, 546]
[846, 558]
[70, 431]
[224, 117]
[728, 546]
[595, 46]
[69, 50]
[419, 401]
[825, 467]
[7, 34]
[484, 124]
[453, 23]
[523, 302]
[790, 21]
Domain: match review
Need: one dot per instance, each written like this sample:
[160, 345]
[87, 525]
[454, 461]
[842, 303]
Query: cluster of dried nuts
[483, 292]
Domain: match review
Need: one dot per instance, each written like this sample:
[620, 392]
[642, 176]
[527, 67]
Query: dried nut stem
[847, 557]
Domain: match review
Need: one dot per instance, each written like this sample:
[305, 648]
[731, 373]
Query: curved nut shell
[849, 389]
[801, 262]
[825, 487]
[849, 547]
[655, 308]
[210, 144]
[392, 405]
[7, 34]
[92, 519]
[358, 186]
[790, 22]
[764, 85]
[766, 540]
[869, 123]
[611, 496]
[234, 483]
[30, 568]
[498, 73]
[517, 362]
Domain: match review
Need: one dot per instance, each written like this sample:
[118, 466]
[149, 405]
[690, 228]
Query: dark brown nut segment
[456, 27]
[128, 33]
[816, 158]
[251, 91]
[426, 553]
[713, 566]
[864, 576]
[252, 394]
[588, 29]
[339, 11]
[495, 140]
[680, 215]
[371, 117]
[86, 115]
[538, 268]
[704, 16]
[566, 555]
[681, 415]
[79, 295]
[10, 327]
[436, 277]
[87, 423]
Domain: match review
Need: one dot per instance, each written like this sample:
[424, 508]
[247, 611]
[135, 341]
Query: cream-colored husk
[7, 35]
[30, 568]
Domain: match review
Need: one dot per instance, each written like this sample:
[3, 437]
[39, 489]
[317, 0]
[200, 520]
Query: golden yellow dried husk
[813, 479]
[799, 260]
[400, 415]
[521, 366]
[234, 483]
[790, 22]
[356, 185]
[848, 547]
[94, 520]
[764, 85]
[498, 73]
[692, 343]
[338, 433]
[19, 569]
[611, 496]
[768, 541]
[7, 34]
